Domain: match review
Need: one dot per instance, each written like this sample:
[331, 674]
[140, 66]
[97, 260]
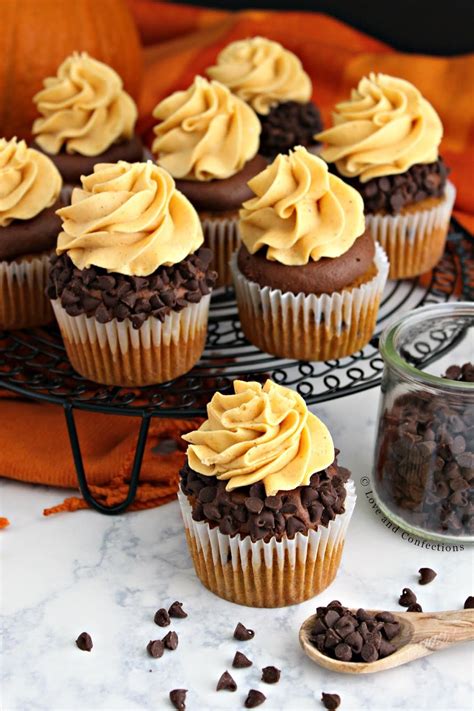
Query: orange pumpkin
[37, 35]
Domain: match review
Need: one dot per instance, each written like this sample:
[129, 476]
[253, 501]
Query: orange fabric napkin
[180, 41]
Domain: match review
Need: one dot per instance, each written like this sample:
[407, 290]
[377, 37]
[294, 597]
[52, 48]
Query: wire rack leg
[79, 465]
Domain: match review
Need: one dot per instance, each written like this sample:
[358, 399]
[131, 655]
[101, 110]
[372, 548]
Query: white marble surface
[83, 571]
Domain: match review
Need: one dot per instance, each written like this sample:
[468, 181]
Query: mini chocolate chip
[343, 652]
[162, 618]
[391, 629]
[84, 642]
[178, 698]
[362, 615]
[176, 610]
[330, 618]
[240, 661]
[294, 525]
[330, 701]
[369, 653]
[270, 675]
[427, 575]
[155, 648]
[226, 683]
[273, 503]
[171, 640]
[253, 505]
[414, 607]
[254, 698]
[331, 639]
[355, 641]
[407, 598]
[386, 648]
[385, 617]
[242, 633]
[469, 603]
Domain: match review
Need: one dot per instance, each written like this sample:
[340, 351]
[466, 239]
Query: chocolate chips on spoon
[349, 637]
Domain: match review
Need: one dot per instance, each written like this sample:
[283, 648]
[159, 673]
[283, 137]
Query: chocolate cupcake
[384, 143]
[86, 118]
[30, 188]
[308, 276]
[208, 140]
[265, 504]
[131, 286]
[272, 80]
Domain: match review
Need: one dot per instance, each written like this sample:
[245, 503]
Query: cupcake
[30, 188]
[265, 504]
[86, 118]
[272, 80]
[308, 276]
[130, 285]
[208, 140]
[385, 142]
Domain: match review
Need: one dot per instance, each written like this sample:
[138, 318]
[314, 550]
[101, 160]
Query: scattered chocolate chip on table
[84, 642]
[178, 698]
[226, 683]
[242, 633]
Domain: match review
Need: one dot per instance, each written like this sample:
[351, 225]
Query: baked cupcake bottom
[221, 235]
[273, 574]
[310, 327]
[115, 353]
[414, 240]
[23, 300]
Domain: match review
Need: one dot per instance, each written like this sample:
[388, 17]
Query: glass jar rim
[391, 355]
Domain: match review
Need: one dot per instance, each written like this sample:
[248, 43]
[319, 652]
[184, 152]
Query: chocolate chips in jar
[425, 458]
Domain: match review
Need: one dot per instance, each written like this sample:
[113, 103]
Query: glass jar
[423, 476]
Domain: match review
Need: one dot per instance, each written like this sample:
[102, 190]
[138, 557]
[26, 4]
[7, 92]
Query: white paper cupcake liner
[272, 574]
[414, 242]
[310, 327]
[115, 353]
[222, 237]
[23, 300]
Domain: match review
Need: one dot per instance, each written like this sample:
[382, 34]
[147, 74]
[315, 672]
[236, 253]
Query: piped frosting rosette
[384, 129]
[262, 72]
[263, 435]
[301, 214]
[84, 108]
[130, 220]
[260, 434]
[205, 132]
[29, 184]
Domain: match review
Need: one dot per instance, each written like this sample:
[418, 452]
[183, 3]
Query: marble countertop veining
[85, 572]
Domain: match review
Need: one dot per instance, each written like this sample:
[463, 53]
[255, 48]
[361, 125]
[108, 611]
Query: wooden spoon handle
[436, 630]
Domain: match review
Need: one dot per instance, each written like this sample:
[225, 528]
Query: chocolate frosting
[39, 234]
[108, 295]
[222, 195]
[73, 165]
[287, 125]
[322, 277]
[390, 193]
[247, 511]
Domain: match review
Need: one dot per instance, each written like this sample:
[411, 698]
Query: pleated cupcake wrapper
[115, 353]
[267, 574]
[414, 242]
[222, 236]
[23, 300]
[310, 327]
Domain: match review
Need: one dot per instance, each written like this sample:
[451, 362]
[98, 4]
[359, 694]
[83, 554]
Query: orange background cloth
[179, 42]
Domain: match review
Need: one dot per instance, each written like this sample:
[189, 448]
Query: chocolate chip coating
[248, 511]
[390, 193]
[289, 124]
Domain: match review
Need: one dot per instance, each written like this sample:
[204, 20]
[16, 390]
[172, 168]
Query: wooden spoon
[421, 633]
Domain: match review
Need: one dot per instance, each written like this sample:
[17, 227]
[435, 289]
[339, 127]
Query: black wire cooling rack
[34, 364]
